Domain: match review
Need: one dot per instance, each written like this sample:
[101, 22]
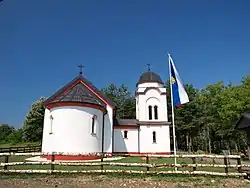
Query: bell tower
[151, 100]
[151, 114]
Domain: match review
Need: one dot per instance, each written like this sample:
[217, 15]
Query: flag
[179, 93]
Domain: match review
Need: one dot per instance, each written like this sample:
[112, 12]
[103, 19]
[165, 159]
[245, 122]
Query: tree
[5, 131]
[33, 124]
[123, 99]
[15, 137]
[187, 125]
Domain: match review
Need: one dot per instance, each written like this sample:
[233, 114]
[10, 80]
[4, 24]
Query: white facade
[71, 129]
[154, 139]
[78, 128]
[129, 144]
[148, 138]
[108, 130]
[153, 95]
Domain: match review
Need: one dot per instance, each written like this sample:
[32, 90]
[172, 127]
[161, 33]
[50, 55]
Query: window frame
[154, 137]
[51, 118]
[93, 125]
[125, 134]
[155, 112]
[150, 113]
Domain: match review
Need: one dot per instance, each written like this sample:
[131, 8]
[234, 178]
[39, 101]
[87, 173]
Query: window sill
[50, 133]
[93, 134]
[125, 138]
[154, 143]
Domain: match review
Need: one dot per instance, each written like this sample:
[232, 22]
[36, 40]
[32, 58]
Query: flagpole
[172, 104]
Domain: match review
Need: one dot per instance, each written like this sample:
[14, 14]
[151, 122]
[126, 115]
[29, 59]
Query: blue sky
[43, 42]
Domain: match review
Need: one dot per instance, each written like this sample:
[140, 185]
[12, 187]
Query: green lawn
[7, 145]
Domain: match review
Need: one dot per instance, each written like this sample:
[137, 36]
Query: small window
[93, 126]
[125, 134]
[156, 112]
[51, 124]
[149, 112]
[154, 137]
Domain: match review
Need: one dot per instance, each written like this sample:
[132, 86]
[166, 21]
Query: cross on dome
[148, 65]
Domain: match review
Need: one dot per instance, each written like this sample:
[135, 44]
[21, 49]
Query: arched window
[154, 137]
[149, 112]
[51, 124]
[156, 112]
[125, 135]
[93, 126]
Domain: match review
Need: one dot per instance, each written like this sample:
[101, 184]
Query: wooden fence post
[239, 165]
[52, 167]
[225, 163]
[147, 161]
[194, 162]
[6, 160]
[102, 161]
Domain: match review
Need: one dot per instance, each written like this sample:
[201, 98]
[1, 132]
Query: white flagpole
[172, 103]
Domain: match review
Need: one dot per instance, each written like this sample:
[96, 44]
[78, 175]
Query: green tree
[209, 103]
[15, 137]
[33, 124]
[187, 125]
[123, 99]
[5, 131]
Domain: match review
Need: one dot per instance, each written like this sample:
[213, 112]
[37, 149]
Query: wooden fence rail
[25, 149]
[150, 168]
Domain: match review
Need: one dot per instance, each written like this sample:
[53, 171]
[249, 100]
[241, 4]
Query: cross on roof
[80, 67]
[148, 65]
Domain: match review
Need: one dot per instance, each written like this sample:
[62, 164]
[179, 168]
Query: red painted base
[86, 157]
[71, 158]
[142, 153]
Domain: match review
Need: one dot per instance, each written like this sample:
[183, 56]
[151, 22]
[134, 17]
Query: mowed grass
[26, 144]
[124, 160]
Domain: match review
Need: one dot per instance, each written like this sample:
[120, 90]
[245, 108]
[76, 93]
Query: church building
[79, 118]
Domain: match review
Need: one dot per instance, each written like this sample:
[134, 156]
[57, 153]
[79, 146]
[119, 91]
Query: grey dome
[149, 77]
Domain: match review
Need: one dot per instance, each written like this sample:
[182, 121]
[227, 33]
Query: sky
[43, 42]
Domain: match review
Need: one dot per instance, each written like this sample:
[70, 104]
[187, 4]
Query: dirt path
[108, 182]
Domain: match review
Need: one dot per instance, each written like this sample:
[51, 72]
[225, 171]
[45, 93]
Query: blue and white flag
[179, 93]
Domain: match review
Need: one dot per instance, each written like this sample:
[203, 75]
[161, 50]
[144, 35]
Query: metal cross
[80, 67]
[148, 65]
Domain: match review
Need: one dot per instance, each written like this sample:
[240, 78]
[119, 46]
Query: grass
[118, 180]
[7, 145]
[123, 160]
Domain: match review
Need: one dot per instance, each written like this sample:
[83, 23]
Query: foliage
[5, 130]
[33, 124]
[123, 99]
[15, 137]
[8, 134]
[207, 121]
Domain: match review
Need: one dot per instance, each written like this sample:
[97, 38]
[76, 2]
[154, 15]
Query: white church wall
[152, 97]
[71, 130]
[137, 107]
[149, 84]
[162, 138]
[129, 144]
[108, 130]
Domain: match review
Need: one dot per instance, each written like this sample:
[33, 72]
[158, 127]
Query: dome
[149, 77]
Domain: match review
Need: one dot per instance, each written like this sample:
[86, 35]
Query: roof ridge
[96, 92]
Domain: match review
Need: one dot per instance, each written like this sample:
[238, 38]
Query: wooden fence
[24, 149]
[104, 166]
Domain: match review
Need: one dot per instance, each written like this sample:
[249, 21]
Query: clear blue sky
[42, 42]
